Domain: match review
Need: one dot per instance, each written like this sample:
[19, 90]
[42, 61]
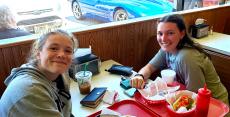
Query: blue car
[118, 10]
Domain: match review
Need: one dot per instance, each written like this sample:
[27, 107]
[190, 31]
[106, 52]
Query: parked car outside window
[117, 10]
[36, 16]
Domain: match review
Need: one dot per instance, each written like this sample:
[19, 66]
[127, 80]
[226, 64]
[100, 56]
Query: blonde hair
[39, 43]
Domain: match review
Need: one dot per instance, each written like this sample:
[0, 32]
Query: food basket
[181, 103]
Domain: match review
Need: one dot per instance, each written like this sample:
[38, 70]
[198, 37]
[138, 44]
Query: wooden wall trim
[5, 43]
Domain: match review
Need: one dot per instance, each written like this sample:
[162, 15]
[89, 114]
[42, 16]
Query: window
[37, 17]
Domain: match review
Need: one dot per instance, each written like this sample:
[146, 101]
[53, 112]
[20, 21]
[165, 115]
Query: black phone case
[94, 96]
[120, 70]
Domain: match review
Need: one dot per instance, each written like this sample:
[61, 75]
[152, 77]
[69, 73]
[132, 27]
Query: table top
[112, 82]
[217, 42]
[103, 79]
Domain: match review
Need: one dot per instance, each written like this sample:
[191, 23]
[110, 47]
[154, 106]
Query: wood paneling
[222, 66]
[132, 44]
[129, 47]
[3, 72]
[227, 27]
[11, 57]
[216, 18]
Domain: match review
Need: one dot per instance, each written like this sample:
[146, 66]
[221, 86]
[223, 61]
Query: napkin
[110, 97]
[111, 113]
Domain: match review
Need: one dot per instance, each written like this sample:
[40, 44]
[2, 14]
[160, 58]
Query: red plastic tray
[216, 107]
[130, 107]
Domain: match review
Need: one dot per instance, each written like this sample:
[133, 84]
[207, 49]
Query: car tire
[76, 9]
[120, 15]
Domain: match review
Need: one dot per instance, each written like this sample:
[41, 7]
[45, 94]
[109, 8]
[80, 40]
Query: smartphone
[125, 84]
[130, 92]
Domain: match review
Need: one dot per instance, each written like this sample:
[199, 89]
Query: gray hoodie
[30, 94]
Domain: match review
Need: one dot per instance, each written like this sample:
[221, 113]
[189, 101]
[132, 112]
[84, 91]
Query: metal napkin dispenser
[78, 64]
[199, 31]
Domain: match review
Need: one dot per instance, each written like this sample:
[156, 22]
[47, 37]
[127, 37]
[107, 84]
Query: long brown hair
[186, 40]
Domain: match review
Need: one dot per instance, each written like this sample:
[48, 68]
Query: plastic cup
[84, 81]
[168, 76]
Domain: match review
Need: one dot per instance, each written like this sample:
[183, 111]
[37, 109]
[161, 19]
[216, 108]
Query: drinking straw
[85, 68]
[81, 81]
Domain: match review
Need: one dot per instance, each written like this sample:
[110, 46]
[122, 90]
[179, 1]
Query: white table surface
[103, 79]
[217, 42]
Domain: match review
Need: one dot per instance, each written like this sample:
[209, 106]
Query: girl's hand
[137, 82]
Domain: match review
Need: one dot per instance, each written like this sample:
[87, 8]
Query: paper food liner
[111, 113]
[157, 90]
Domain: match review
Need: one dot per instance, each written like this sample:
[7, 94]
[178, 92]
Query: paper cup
[168, 75]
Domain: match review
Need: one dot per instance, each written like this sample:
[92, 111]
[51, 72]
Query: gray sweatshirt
[30, 94]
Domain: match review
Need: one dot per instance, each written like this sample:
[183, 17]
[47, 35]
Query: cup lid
[83, 74]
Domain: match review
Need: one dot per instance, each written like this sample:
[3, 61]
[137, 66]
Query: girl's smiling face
[168, 36]
[55, 57]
